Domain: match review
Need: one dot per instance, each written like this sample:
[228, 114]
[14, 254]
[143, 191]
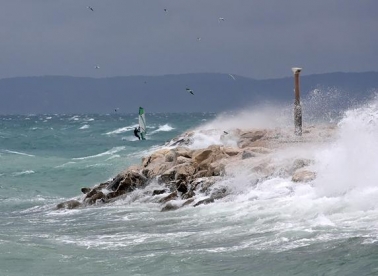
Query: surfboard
[142, 123]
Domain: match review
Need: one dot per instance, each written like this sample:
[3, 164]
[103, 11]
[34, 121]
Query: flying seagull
[190, 91]
[220, 19]
[89, 7]
[97, 67]
[198, 38]
[165, 10]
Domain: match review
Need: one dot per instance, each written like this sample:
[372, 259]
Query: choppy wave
[109, 152]
[122, 130]
[84, 127]
[23, 172]
[19, 153]
[165, 128]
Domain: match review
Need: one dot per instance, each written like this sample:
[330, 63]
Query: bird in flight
[190, 91]
[89, 7]
[165, 10]
[97, 67]
[198, 38]
[220, 19]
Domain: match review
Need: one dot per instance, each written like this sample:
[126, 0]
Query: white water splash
[122, 130]
[351, 162]
[109, 152]
[84, 127]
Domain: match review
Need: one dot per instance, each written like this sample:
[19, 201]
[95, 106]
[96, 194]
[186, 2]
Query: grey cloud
[259, 39]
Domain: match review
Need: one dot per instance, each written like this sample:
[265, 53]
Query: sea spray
[350, 162]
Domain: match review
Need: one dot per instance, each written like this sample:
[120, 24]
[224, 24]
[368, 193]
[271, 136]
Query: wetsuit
[136, 133]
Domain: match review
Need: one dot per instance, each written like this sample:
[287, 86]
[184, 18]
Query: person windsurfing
[136, 132]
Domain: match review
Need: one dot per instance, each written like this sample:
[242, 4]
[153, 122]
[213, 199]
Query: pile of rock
[183, 172]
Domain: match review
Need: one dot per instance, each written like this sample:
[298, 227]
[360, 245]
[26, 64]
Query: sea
[272, 226]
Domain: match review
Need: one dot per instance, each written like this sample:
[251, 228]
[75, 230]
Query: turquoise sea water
[274, 227]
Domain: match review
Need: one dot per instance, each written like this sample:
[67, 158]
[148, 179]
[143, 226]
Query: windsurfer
[136, 132]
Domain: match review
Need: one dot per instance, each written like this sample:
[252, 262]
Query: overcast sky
[258, 38]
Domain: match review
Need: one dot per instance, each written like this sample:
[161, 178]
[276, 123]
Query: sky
[259, 39]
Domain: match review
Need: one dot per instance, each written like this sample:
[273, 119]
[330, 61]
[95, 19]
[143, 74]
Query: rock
[252, 138]
[300, 163]
[184, 152]
[92, 199]
[170, 156]
[169, 207]
[182, 160]
[209, 159]
[188, 202]
[158, 192]
[169, 197]
[178, 172]
[155, 170]
[219, 193]
[247, 154]
[156, 157]
[231, 151]
[201, 155]
[262, 150]
[70, 204]
[91, 193]
[303, 176]
[116, 180]
[182, 188]
[204, 201]
[168, 176]
[203, 184]
[189, 194]
[184, 171]
[200, 174]
[85, 190]
[216, 168]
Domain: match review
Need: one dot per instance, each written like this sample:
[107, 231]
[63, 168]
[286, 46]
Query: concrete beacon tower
[297, 103]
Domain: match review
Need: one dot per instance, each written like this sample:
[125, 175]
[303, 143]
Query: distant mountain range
[212, 92]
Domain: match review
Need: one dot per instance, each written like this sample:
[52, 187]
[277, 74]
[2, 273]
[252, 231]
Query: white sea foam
[84, 127]
[65, 164]
[23, 172]
[164, 128]
[350, 163]
[74, 118]
[122, 130]
[109, 152]
[19, 153]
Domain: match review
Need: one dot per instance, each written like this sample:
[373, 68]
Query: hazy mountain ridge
[213, 92]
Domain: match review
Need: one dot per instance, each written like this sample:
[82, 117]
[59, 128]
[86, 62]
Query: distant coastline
[213, 92]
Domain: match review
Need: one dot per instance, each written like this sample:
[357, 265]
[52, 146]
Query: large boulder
[204, 201]
[252, 138]
[303, 175]
[201, 155]
[178, 172]
[156, 169]
[70, 204]
[169, 207]
[156, 157]
[169, 197]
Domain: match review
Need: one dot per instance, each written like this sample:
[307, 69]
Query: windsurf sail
[142, 123]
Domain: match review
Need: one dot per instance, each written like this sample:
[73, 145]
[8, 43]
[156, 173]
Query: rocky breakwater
[185, 175]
